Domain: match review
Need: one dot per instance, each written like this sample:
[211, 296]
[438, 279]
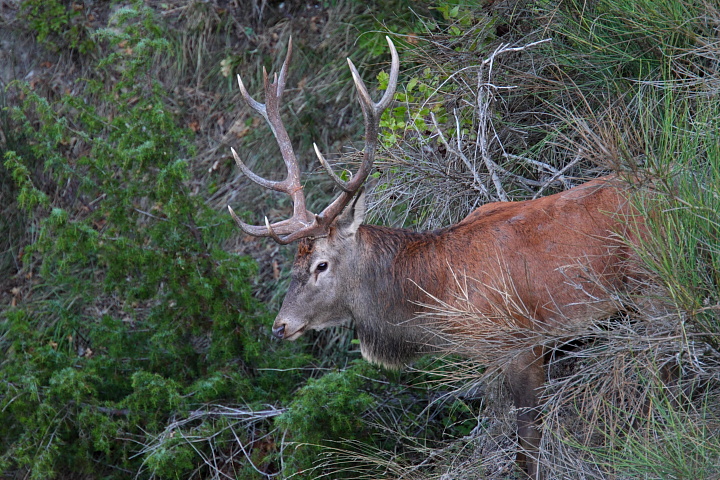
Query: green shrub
[329, 407]
[135, 307]
[59, 25]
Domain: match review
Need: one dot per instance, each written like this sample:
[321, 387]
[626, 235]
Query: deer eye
[321, 267]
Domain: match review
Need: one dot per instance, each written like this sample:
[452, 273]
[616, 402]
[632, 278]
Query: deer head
[325, 252]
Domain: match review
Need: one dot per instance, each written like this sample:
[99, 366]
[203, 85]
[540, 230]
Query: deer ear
[352, 217]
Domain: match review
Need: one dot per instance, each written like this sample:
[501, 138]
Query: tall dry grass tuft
[456, 136]
[227, 439]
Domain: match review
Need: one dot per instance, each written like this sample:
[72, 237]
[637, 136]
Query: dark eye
[321, 267]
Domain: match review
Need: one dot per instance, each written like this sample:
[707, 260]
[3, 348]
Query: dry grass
[495, 129]
[226, 438]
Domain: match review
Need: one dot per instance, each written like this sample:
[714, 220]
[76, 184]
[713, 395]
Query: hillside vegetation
[135, 318]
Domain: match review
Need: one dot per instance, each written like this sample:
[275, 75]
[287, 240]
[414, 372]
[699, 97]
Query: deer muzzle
[279, 330]
[285, 330]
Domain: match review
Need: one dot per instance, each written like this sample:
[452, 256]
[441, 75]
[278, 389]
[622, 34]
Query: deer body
[529, 266]
[539, 264]
[539, 251]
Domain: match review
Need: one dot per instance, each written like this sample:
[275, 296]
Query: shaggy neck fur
[395, 279]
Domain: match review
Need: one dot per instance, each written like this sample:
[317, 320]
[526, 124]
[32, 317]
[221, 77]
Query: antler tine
[341, 183]
[254, 104]
[271, 184]
[283, 71]
[366, 100]
[274, 235]
[287, 227]
[371, 113]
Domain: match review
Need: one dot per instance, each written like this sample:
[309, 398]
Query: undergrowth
[132, 312]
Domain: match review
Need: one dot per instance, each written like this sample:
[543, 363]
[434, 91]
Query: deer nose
[279, 330]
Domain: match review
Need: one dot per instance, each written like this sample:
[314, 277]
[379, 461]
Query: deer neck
[394, 279]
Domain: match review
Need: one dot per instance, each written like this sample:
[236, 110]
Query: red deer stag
[556, 252]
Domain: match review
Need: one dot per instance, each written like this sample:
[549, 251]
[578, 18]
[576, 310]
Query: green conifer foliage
[136, 313]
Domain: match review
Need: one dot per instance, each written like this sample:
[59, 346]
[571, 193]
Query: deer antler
[303, 223]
